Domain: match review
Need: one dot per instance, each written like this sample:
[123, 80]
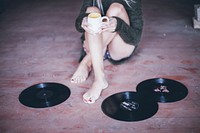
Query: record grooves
[135, 106]
[129, 106]
[44, 95]
[162, 90]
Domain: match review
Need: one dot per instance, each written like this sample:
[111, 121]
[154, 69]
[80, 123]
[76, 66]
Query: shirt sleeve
[131, 34]
[82, 14]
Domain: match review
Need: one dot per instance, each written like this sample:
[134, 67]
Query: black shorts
[108, 57]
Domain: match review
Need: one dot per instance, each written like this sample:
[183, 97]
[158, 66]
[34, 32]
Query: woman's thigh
[117, 48]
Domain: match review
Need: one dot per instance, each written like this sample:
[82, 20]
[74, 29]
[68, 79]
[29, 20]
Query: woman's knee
[92, 9]
[115, 9]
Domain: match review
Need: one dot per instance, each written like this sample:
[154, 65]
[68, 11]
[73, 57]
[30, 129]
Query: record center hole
[129, 105]
[44, 94]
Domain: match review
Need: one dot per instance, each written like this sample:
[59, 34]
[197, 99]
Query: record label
[129, 105]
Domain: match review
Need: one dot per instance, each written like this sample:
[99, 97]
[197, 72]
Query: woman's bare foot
[95, 91]
[81, 73]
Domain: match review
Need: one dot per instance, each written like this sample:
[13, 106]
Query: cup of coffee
[95, 20]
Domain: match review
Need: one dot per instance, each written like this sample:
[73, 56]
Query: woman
[116, 40]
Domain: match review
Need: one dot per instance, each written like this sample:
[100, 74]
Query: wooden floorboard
[39, 43]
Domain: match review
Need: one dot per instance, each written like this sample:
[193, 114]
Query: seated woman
[116, 40]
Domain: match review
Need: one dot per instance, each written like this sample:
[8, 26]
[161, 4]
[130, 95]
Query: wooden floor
[38, 43]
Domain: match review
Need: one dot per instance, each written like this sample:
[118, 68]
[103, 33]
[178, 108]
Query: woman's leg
[85, 65]
[95, 55]
[100, 82]
[117, 48]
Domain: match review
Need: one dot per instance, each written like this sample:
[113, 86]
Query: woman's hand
[109, 26]
[85, 25]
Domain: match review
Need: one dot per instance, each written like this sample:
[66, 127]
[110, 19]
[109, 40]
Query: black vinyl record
[162, 90]
[44, 95]
[129, 106]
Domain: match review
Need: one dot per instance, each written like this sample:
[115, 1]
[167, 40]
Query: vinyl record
[44, 95]
[129, 106]
[163, 90]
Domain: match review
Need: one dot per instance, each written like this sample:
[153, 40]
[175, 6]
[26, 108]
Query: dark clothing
[130, 34]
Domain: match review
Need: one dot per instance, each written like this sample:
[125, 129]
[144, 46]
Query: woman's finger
[109, 29]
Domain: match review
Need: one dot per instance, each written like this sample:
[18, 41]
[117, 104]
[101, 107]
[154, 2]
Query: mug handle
[104, 19]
